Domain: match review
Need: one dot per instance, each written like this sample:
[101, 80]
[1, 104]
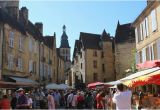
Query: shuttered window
[31, 66]
[144, 29]
[147, 27]
[141, 31]
[136, 33]
[158, 48]
[137, 58]
[143, 55]
[11, 39]
[153, 20]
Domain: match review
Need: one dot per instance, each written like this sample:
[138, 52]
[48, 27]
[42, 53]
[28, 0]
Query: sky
[91, 16]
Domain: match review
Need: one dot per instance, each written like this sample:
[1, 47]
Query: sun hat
[20, 89]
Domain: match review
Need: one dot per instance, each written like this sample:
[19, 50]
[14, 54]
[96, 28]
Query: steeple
[64, 39]
[105, 36]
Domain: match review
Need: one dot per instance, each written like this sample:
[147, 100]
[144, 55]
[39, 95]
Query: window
[10, 62]
[95, 64]
[143, 55]
[147, 28]
[138, 33]
[30, 45]
[34, 67]
[103, 67]
[95, 77]
[144, 28]
[35, 47]
[95, 53]
[158, 49]
[30, 66]
[81, 65]
[11, 39]
[41, 70]
[137, 58]
[66, 52]
[141, 31]
[102, 54]
[153, 20]
[63, 51]
[20, 43]
[20, 64]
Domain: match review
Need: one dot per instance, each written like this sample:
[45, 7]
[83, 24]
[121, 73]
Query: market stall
[149, 99]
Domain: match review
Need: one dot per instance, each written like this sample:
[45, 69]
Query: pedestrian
[122, 98]
[72, 100]
[51, 102]
[99, 99]
[57, 98]
[5, 103]
[89, 101]
[13, 100]
[80, 101]
[30, 101]
[22, 100]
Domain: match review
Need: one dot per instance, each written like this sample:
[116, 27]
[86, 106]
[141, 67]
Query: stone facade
[93, 63]
[124, 49]
[25, 52]
[147, 31]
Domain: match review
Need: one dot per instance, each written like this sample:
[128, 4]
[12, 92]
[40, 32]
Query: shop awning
[93, 85]
[149, 64]
[112, 83]
[152, 76]
[24, 81]
[140, 73]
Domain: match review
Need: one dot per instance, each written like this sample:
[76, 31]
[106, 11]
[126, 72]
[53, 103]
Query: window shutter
[143, 55]
[136, 33]
[158, 48]
[153, 18]
[137, 58]
[141, 31]
[147, 27]
[144, 29]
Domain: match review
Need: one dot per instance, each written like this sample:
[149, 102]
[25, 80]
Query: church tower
[65, 49]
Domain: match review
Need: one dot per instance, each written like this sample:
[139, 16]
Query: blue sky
[81, 16]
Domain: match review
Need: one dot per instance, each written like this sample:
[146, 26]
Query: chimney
[23, 15]
[149, 1]
[39, 26]
[11, 7]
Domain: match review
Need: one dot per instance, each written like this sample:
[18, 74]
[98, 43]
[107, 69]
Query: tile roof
[124, 33]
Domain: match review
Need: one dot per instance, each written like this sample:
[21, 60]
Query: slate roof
[105, 36]
[49, 41]
[6, 18]
[31, 29]
[77, 47]
[124, 33]
[14, 23]
[90, 41]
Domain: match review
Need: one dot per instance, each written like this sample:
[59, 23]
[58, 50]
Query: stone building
[93, 58]
[124, 49]
[26, 55]
[147, 31]
[60, 76]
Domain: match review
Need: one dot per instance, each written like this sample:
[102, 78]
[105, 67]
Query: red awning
[152, 78]
[149, 64]
[93, 85]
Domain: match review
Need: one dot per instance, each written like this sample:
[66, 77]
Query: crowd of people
[68, 99]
